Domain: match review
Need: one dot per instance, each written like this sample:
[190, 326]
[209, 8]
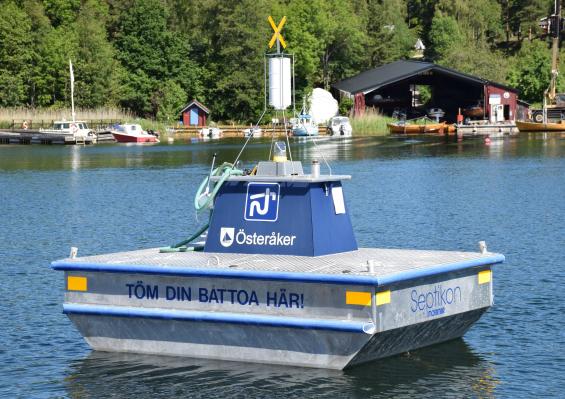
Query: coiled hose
[204, 199]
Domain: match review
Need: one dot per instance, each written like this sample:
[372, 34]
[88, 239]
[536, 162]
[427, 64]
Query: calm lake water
[408, 193]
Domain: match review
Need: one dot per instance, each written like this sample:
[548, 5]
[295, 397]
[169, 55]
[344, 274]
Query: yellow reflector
[383, 298]
[485, 276]
[76, 283]
[357, 298]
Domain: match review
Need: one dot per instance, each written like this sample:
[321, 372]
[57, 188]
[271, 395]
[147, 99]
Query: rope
[321, 154]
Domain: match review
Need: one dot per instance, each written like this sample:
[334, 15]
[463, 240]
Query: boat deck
[389, 265]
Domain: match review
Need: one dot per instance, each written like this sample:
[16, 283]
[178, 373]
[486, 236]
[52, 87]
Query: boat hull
[126, 138]
[305, 131]
[263, 344]
[473, 112]
[540, 127]
[324, 321]
[420, 129]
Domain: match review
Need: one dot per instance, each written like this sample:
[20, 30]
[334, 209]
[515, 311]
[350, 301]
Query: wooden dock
[37, 137]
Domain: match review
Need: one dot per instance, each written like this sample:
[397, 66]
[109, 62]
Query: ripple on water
[425, 194]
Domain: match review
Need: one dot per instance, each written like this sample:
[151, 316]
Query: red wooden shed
[194, 114]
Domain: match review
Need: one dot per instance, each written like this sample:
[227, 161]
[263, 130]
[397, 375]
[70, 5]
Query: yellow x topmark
[277, 33]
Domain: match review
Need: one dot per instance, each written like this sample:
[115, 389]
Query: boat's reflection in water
[449, 369]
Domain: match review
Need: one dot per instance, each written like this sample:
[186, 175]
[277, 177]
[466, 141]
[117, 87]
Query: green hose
[225, 171]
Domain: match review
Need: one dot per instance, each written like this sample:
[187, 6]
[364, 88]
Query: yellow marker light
[75, 283]
[357, 298]
[485, 276]
[383, 298]
[277, 34]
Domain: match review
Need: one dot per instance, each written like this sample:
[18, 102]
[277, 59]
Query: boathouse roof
[375, 78]
[198, 104]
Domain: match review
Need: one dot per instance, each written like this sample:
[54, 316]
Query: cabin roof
[198, 104]
[384, 75]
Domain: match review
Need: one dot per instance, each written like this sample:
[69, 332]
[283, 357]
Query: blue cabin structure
[281, 214]
[194, 114]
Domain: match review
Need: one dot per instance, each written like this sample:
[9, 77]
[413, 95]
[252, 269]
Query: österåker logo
[226, 236]
[262, 202]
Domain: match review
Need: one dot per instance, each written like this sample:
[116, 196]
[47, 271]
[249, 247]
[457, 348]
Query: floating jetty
[38, 137]
[278, 278]
[493, 130]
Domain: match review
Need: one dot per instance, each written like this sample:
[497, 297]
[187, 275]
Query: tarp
[322, 105]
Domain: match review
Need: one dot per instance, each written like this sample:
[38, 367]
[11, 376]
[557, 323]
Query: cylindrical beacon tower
[280, 88]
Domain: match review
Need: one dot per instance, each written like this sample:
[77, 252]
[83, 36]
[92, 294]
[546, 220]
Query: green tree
[95, 65]
[61, 12]
[522, 16]
[344, 42]
[531, 71]
[444, 36]
[238, 38]
[40, 27]
[328, 38]
[169, 100]
[303, 32]
[151, 53]
[390, 37]
[51, 73]
[15, 54]
[479, 20]
[477, 60]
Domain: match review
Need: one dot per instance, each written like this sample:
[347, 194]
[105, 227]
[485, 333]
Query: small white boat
[210, 133]
[132, 133]
[253, 132]
[339, 126]
[76, 129]
[304, 126]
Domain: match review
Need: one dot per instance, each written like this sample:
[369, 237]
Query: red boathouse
[194, 114]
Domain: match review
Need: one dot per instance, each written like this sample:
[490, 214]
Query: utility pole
[556, 32]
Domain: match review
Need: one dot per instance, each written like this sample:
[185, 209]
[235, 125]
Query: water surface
[409, 193]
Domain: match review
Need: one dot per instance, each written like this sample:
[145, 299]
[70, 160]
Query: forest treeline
[152, 56]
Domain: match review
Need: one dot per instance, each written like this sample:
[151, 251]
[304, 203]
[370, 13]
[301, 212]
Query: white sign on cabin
[494, 99]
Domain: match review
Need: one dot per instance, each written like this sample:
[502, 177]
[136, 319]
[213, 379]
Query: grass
[44, 117]
[371, 123]
[19, 114]
[150, 124]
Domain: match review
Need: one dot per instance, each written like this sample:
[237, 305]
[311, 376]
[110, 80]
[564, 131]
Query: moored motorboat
[524, 126]
[132, 133]
[304, 126]
[412, 128]
[70, 128]
[254, 131]
[339, 126]
[207, 133]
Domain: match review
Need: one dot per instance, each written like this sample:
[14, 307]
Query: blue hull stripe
[213, 317]
[279, 276]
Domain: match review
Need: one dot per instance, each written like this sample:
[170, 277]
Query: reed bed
[20, 114]
[371, 123]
